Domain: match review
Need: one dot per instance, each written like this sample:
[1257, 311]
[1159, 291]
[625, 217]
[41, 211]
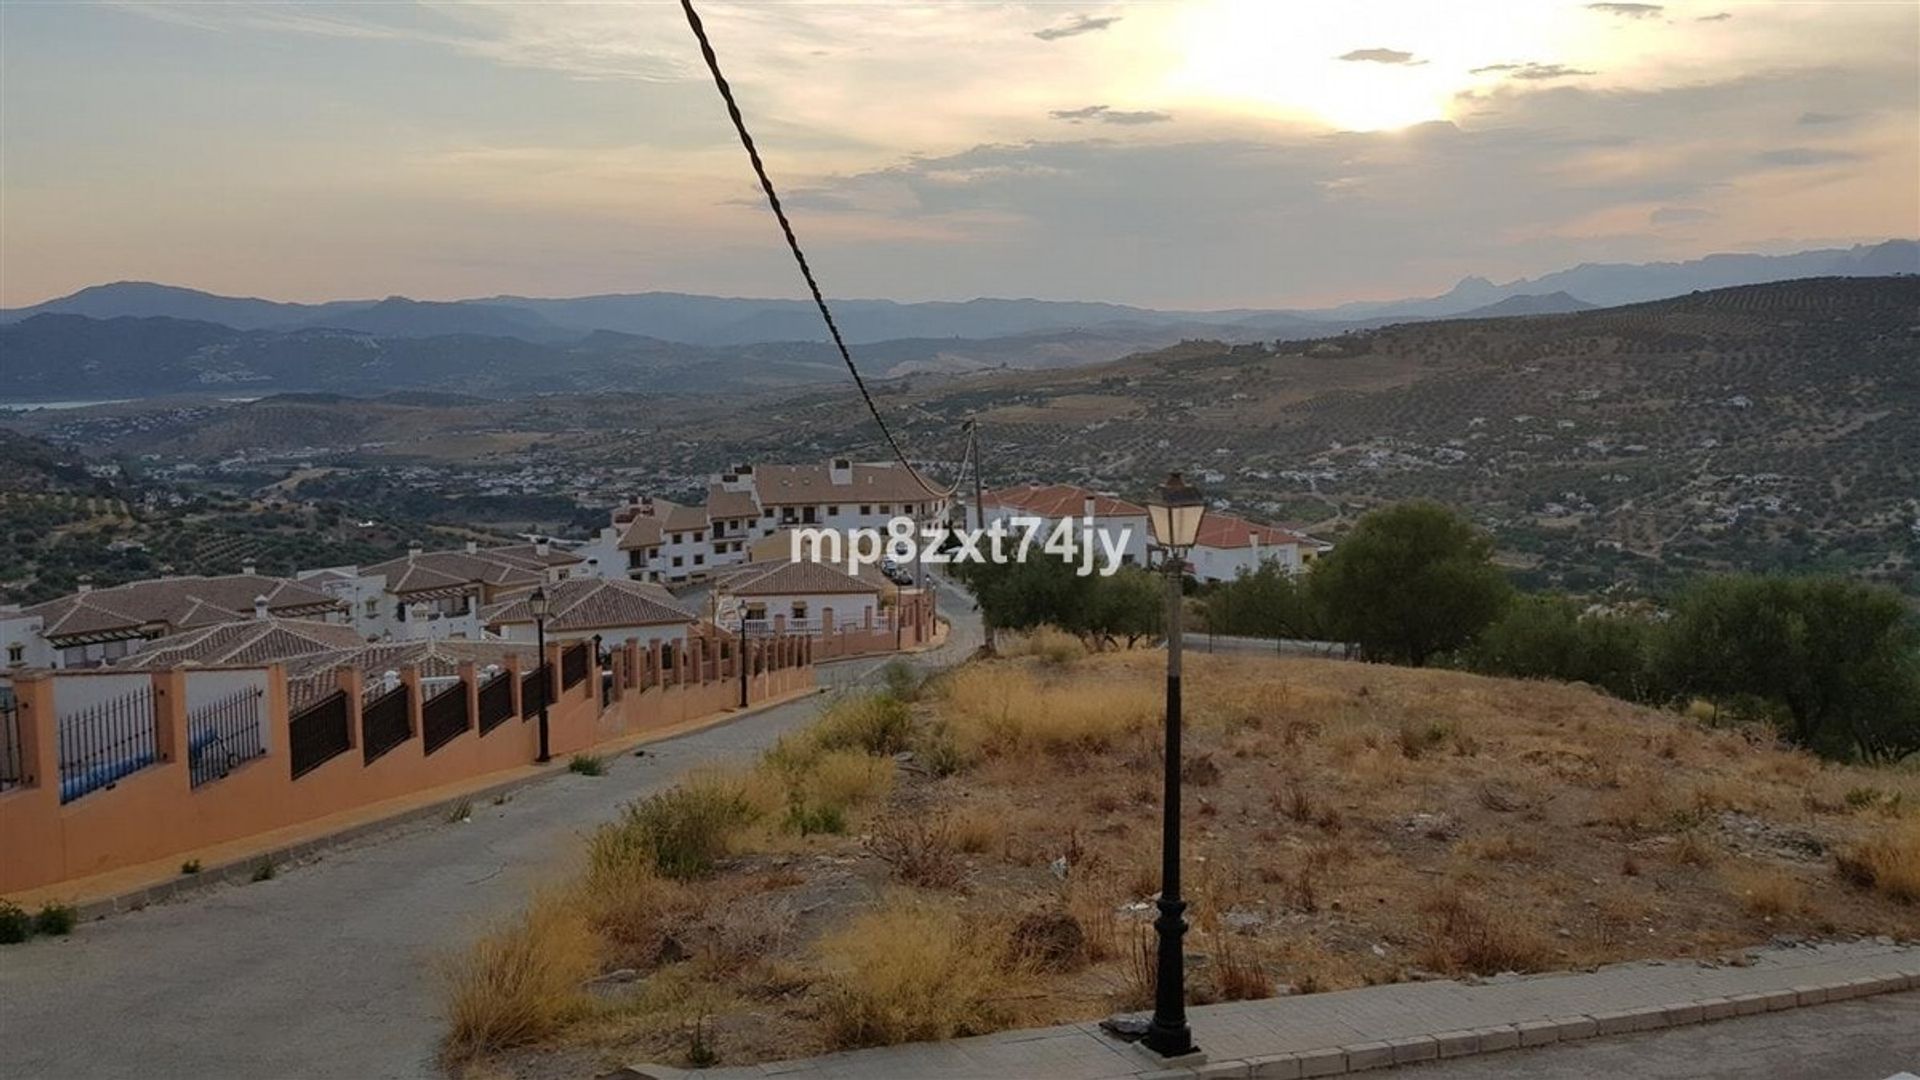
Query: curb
[1364, 1056]
[240, 871]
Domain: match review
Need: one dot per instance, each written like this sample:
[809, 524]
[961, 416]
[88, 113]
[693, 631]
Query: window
[885, 509]
[799, 609]
[373, 606]
[636, 558]
[16, 654]
[833, 511]
[866, 509]
[678, 561]
[675, 538]
[699, 536]
[699, 560]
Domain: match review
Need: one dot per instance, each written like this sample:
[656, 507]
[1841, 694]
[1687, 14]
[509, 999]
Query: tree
[1842, 659]
[1548, 637]
[1131, 604]
[1268, 602]
[1410, 581]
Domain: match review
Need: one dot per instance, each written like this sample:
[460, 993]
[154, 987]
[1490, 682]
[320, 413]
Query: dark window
[677, 560]
[866, 508]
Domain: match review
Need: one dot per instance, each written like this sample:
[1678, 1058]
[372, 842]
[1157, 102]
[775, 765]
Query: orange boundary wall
[156, 812]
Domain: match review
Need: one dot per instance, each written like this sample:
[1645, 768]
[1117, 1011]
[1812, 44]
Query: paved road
[1865, 1039]
[328, 970]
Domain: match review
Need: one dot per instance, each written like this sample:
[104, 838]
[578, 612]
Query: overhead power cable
[806, 270]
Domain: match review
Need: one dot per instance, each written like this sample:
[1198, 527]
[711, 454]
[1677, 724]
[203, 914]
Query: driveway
[328, 970]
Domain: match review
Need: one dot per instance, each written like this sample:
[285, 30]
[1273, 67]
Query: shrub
[901, 679]
[907, 973]
[587, 765]
[681, 832]
[15, 924]
[1462, 935]
[871, 723]
[1766, 891]
[920, 852]
[520, 983]
[55, 920]
[191, 866]
[1887, 861]
[1409, 581]
[264, 871]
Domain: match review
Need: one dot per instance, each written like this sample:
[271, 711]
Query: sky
[1198, 154]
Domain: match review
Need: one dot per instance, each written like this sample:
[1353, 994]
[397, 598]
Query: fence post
[470, 679]
[277, 710]
[512, 667]
[555, 650]
[416, 718]
[169, 715]
[39, 740]
[353, 684]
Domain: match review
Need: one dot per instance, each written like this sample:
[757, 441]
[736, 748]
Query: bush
[681, 832]
[1887, 861]
[1547, 637]
[522, 982]
[1408, 582]
[55, 920]
[901, 679]
[587, 765]
[15, 924]
[908, 973]
[872, 723]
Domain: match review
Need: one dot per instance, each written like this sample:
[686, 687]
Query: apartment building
[1117, 524]
[430, 595]
[97, 626]
[610, 609]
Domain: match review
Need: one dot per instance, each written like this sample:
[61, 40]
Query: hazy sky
[1207, 153]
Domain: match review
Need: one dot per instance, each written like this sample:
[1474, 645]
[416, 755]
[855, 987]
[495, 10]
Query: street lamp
[541, 607]
[1174, 516]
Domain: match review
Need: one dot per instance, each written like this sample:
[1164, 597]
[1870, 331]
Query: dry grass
[909, 972]
[1000, 710]
[1463, 934]
[521, 982]
[1887, 860]
[1766, 891]
[1046, 643]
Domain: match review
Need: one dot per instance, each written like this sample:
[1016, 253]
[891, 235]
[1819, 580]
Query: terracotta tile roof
[1226, 531]
[596, 603]
[725, 505]
[512, 566]
[643, 532]
[528, 555]
[781, 485]
[176, 603]
[1061, 500]
[683, 518]
[244, 642]
[783, 578]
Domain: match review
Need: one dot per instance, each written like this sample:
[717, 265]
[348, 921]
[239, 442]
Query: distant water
[27, 406]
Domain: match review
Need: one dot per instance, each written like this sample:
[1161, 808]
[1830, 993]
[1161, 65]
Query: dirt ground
[1346, 824]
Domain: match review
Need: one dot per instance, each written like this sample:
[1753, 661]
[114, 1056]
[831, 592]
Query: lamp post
[1174, 515]
[541, 607]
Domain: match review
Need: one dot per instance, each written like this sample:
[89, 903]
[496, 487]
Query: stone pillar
[170, 715]
[354, 685]
[416, 702]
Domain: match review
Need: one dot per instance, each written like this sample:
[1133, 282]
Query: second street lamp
[540, 607]
[1174, 514]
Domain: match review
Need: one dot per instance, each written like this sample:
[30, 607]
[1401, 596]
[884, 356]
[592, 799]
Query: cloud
[1531, 71]
[1079, 24]
[1719, 17]
[1678, 215]
[1630, 11]
[1796, 156]
[1813, 119]
[1381, 56]
[1103, 115]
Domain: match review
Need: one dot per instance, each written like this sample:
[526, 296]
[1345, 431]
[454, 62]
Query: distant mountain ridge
[711, 321]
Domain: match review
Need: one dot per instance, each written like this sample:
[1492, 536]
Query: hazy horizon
[1205, 155]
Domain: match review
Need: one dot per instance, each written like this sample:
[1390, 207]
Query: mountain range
[141, 338]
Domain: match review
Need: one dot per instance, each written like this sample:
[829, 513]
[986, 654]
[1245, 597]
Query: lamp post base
[1193, 1058]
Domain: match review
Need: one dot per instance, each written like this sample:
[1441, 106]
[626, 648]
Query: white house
[799, 597]
[21, 638]
[1228, 546]
[434, 595]
[1117, 523]
[613, 610]
[97, 626]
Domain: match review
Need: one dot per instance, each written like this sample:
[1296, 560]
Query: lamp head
[1175, 512]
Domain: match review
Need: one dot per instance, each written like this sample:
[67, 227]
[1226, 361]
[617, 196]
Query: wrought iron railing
[224, 733]
[496, 702]
[384, 723]
[319, 733]
[573, 665]
[444, 717]
[105, 742]
[13, 763]
[535, 688]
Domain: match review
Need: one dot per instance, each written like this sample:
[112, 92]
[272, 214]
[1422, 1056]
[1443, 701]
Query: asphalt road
[328, 970]
[1863, 1039]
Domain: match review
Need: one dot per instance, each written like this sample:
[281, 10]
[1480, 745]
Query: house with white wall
[433, 595]
[1229, 546]
[582, 608]
[22, 643]
[1117, 523]
[798, 597]
[97, 626]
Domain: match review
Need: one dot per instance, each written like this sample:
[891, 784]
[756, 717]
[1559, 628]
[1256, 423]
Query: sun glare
[1409, 59]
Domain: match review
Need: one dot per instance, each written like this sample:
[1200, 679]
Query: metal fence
[222, 734]
[573, 665]
[384, 723]
[13, 764]
[534, 688]
[105, 742]
[496, 702]
[444, 717]
[319, 733]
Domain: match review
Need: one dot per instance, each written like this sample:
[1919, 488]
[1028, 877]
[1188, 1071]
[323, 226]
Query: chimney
[86, 583]
[841, 471]
[247, 568]
[413, 549]
[542, 548]
[1253, 541]
[260, 608]
[473, 547]
[1087, 505]
[593, 567]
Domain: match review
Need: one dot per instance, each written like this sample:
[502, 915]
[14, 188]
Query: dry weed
[520, 983]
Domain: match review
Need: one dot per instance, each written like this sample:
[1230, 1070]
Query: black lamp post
[541, 607]
[1174, 514]
[742, 661]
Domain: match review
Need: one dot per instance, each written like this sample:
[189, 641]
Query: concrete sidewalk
[1354, 1030]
